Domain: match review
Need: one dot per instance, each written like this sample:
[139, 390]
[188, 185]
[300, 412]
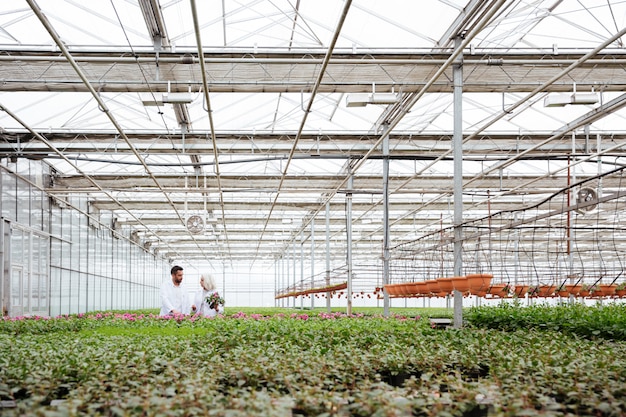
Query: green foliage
[606, 321]
[303, 364]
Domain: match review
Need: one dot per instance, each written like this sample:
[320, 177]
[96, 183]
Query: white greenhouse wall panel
[56, 260]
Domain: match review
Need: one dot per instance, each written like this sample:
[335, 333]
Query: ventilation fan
[195, 224]
[585, 196]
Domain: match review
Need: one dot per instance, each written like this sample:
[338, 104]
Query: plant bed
[303, 364]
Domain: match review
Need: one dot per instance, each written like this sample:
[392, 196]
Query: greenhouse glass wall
[57, 259]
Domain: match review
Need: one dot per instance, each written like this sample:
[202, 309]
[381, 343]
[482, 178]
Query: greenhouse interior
[312, 208]
[311, 153]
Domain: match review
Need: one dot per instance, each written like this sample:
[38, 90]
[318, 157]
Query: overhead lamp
[383, 98]
[155, 99]
[357, 100]
[563, 99]
[363, 99]
[584, 98]
[158, 99]
[177, 98]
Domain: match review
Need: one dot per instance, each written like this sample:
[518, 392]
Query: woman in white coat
[200, 305]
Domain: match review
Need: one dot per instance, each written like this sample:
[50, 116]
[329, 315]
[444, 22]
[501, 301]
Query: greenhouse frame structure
[290, 147]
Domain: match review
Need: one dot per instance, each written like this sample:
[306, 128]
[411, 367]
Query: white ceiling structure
[238, 112]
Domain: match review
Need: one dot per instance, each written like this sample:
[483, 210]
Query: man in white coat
[173, 298]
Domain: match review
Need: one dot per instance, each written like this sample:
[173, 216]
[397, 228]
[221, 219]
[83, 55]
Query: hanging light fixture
[563, 99]
[363, 99]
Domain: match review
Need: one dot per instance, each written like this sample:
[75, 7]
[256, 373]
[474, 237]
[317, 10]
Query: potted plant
[562, 290]
[574, 289]
[587, 289]
[533, 290]
[479, 283]
[604, 290]
[521, 290]
[620, 289]
[546, 290]
[507, 290]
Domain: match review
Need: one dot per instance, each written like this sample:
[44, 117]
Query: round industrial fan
[585, 196]
[195, 224]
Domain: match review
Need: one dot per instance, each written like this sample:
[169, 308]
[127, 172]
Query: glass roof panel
[276, 136]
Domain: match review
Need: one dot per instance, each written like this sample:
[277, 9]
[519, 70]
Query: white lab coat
[202, 308]
[173, 298]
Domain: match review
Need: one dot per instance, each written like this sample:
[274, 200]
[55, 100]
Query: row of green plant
[77, 322]
[303, 364]
[600, 320]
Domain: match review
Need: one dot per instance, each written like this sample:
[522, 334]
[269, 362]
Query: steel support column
[457, 152]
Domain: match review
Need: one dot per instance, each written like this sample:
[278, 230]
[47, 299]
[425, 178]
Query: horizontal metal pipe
[502, 61]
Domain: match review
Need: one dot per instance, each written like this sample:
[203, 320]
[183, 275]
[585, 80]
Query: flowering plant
[533, 290]
[214, 300]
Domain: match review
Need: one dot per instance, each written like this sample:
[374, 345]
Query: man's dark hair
[175, 269]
